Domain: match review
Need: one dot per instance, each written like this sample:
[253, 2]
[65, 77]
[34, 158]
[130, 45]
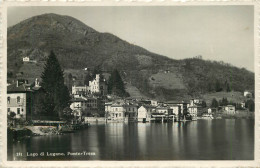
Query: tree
[56, 96]
[67, 114]
[70, 81]
[250, 104]
[203, 104]
[223, 102]
[87, 79]
[214, 103]
[218, 86]
[228, 89]
[116, 84]
[96, 70]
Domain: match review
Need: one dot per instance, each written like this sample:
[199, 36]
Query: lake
[223, 139]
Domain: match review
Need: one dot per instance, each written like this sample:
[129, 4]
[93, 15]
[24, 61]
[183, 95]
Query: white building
[98, 86]
[95, 86]
[144, 114]
[194, 102]
[247, 94]
[80, 90]
[26, 59]
[175, 109]
[83, 105]
[121, 111]
[193, 110]
[230, 109]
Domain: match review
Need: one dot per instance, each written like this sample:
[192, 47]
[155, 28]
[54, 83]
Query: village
[92, 103]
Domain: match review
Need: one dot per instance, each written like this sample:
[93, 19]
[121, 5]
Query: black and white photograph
[130, 83]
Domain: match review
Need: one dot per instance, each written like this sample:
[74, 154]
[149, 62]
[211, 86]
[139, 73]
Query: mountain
[78, 46]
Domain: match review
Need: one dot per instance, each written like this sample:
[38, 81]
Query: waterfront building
[84, 105]
[144, 113]
[176, 109]
[121, 111]
[194, 110]
[117, 112]
[230, 109]
[182, 105]
[21, 97]
[131, 111]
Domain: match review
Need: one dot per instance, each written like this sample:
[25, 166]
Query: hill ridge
[78, 46]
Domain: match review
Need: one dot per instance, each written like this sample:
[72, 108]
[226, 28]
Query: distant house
[229, 109]
[243, 104]
[26, 59]
[162, 110]
[195, 102]
[247, 94]
[167, 71]
[149, 102]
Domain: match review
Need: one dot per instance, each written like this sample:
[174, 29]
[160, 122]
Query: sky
[221, 33]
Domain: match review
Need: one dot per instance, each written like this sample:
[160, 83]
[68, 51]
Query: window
[8, 100]
[116, 109]
[18, 99]
[18, 110]
[119, 114]
[8, 109]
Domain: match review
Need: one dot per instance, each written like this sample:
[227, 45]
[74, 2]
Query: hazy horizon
[221, 33]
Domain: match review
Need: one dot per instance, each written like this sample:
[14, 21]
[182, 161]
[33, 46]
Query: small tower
[97, 77]
[37, 83]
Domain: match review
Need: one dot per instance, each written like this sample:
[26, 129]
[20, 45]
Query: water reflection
[199, 140]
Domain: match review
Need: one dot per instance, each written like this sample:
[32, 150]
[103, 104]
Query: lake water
[224, 139]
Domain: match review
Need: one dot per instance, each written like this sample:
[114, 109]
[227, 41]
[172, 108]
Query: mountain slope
[78, 46]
